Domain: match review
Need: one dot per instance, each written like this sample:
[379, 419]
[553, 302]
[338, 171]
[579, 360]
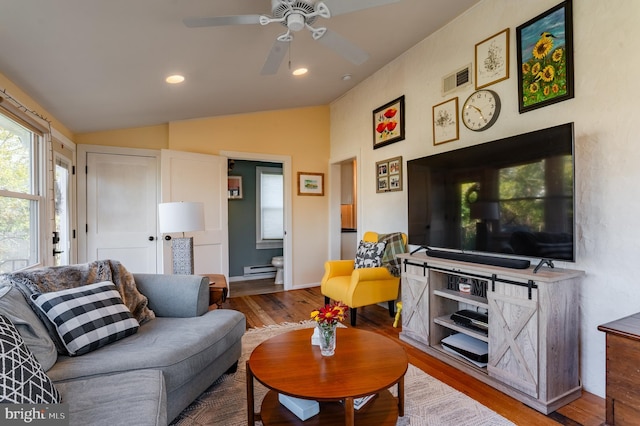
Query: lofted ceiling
[101, 64]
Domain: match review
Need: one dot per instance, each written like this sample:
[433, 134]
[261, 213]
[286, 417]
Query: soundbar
[481, 259]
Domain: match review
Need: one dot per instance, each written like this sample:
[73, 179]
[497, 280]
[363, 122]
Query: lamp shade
[181, 217]
[485, 210]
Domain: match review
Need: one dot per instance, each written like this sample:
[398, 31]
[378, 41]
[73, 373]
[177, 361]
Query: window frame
[37, 236]
[260, 242]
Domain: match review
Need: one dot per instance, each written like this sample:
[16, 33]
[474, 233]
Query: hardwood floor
[251, 287]
[296, 305]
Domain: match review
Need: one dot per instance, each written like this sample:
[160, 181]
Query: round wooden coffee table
[364, 363]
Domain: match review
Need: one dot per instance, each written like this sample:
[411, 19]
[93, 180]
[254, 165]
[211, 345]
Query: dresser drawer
[623, 371]
[625, 415]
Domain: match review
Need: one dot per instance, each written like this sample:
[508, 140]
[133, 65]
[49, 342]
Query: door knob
[151, 238]
[167, 237]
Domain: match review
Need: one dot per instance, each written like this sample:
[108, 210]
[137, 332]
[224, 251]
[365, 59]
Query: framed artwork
[234, 185]
[388, 123]
[492, 59]
[545, 58]
[389, 175]
[445, 121]
[310, 183]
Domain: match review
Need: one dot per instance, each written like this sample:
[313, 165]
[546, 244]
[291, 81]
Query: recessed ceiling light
[346, 77]
[300, 71]
[175, 79]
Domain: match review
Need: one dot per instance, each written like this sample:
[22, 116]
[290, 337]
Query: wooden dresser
[623, 370]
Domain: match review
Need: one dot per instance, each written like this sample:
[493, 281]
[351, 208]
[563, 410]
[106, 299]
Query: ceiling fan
[296, 15]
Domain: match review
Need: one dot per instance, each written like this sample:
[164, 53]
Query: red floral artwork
[386, 126]
[388, 123]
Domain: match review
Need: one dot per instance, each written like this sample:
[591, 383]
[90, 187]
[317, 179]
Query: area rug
[427, 400]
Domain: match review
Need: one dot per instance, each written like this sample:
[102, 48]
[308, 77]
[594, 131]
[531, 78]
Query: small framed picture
[492, 59]
[389, 175]
[445, 121]
[388, 123]
[234, 185]
[545, 58]
[310, 183]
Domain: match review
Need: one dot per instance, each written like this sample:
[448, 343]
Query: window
[270, 207]
[20, 199]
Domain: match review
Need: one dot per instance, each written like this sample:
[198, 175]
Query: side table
[218, 289]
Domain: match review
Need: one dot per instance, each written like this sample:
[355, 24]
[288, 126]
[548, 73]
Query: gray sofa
[147, 378]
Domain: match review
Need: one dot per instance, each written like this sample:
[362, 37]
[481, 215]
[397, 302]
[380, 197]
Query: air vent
[457, 79]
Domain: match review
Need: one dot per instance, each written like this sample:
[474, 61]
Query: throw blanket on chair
[395, 246]
[54, 278]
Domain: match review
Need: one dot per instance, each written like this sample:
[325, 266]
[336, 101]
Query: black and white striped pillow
[87, 317]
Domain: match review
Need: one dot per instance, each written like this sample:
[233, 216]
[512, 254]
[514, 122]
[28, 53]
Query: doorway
[64, 241]
[344, 209]
[348, 209]
[248, 235]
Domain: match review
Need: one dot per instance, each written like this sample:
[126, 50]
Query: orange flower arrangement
[330, 314]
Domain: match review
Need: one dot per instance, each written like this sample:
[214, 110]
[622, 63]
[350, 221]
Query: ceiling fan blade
[344, 47]
[277, 54]
[218, 21]
[340, 7]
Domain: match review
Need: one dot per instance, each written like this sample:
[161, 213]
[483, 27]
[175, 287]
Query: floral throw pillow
[369, 255]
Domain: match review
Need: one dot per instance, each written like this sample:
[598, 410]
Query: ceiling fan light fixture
[300, 71]
[295, 22]
[174, 79]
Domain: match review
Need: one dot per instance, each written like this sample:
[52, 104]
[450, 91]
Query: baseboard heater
[259, 271]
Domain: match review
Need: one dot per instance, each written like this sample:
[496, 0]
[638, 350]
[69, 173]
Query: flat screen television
[513, 197]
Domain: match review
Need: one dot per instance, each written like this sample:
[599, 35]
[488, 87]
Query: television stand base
[548, 262]
[478, 258]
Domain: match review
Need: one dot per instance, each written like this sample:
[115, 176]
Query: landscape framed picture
[545, 58]
[310, 183]
[234, 186]
[492, 59]
[388, 123]
[445, 121]
[389, 175]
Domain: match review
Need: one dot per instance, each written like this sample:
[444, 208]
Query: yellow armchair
[362, 286]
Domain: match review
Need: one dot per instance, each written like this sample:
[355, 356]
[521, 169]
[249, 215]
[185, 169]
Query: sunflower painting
[545, 58]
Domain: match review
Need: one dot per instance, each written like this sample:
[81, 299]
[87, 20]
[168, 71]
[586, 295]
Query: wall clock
[481, 110]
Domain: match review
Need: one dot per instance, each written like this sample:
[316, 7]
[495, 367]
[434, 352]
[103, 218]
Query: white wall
[605, 112]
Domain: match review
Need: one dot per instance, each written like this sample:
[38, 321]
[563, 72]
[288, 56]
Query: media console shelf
[533, 331]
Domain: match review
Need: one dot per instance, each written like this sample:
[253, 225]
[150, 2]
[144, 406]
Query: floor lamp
[181, 217]
[487, 212]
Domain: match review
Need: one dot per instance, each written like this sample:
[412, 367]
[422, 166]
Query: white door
[122, 203]
[201, 178]
[62, 233]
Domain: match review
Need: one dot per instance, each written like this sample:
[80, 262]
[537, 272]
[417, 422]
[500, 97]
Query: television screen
[513, 197]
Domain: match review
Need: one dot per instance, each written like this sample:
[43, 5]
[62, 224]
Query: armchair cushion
[369, 255]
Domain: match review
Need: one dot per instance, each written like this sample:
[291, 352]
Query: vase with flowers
[327, 319]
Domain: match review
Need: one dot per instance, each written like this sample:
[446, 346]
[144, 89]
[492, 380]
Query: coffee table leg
[250, 414]
[349, 413]
[401, 397]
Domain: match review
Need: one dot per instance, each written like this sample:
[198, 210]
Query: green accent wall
[242, 221]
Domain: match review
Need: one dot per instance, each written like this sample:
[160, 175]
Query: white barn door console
[527, 323]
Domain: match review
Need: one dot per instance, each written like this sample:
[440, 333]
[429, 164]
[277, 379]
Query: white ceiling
[101, 64]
